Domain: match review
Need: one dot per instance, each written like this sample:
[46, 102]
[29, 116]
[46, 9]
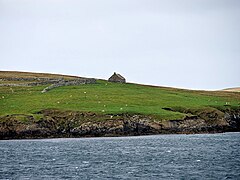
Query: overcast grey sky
[179, 43]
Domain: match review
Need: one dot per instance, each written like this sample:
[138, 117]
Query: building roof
[119, 75]
[117, 78]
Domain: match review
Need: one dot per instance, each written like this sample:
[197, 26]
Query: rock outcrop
[56, 123]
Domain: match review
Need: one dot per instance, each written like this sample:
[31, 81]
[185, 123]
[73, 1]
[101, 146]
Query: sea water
[204, 156]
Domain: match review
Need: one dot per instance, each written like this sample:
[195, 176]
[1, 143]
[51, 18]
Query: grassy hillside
[237, 89]
[13, 74]
[113, 98]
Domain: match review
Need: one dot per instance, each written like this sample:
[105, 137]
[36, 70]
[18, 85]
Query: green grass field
[113, 98]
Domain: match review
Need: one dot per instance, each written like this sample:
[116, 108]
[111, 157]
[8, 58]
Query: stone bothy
[117, 78]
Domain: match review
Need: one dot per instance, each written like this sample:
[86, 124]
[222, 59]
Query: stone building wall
[55, 82]
[69, 83]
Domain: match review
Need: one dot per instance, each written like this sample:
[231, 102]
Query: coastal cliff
[55, 124]
[40, 105]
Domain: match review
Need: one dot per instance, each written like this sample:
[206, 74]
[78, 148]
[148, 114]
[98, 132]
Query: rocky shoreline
[63, 124]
